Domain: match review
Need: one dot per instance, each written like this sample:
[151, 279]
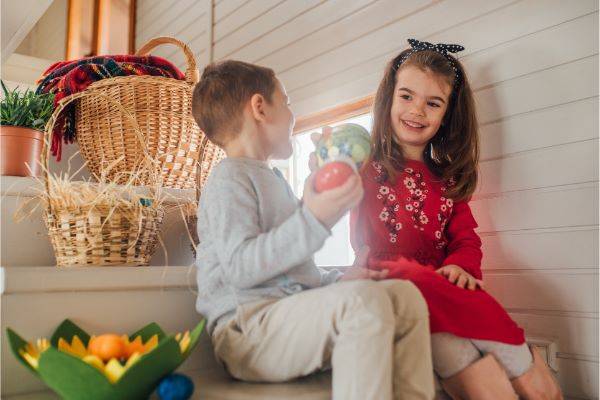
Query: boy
[269, 316]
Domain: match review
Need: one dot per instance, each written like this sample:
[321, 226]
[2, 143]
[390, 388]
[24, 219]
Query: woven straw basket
[162, 109]
[99, 235]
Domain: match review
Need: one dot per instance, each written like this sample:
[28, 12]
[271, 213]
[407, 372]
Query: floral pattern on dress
[388, 214]
[413, 205]
[443, 216]
[418, 191]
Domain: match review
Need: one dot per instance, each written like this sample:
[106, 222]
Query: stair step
[33, 234]
[35, 300]
[29, 187]
[216, 385]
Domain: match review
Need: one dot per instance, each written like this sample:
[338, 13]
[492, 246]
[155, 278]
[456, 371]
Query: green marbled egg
[345, 141]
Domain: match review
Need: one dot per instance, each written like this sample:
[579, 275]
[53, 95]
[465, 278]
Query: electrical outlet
[547, 348]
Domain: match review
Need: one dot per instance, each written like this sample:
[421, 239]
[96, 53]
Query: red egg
[332, 175]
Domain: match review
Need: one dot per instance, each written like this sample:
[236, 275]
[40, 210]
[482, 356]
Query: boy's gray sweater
[256, 239]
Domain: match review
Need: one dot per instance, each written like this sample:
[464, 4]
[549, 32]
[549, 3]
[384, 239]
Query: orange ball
[107, 346]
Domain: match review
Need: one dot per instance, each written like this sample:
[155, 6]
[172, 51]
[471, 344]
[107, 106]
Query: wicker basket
[99, 235]
[162, 109]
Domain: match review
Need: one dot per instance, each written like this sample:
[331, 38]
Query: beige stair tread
[217, 385]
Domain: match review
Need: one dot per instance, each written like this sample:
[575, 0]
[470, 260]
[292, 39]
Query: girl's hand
[460, 277]
[359, 269]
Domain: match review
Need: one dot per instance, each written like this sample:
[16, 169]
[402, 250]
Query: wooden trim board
[334, 114]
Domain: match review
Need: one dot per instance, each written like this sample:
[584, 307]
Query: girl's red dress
[412, 230]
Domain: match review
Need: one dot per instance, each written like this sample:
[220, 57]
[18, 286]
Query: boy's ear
[257, 106]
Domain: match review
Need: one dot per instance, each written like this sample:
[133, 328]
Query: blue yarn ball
[175, 387]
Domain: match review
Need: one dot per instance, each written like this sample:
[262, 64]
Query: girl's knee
[452, 354]
[516, 359]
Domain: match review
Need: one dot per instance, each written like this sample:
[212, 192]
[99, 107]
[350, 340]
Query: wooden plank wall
[534, 68]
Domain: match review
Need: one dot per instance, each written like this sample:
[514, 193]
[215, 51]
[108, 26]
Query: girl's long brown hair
[453, 153]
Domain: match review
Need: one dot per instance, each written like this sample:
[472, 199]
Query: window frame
[335, 114]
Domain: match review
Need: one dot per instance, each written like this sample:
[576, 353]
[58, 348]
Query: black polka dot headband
[440, 48]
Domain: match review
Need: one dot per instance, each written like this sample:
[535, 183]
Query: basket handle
[192, 75]
[203, 144]
[46, 148]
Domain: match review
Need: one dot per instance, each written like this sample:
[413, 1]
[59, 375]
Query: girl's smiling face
[418, 108]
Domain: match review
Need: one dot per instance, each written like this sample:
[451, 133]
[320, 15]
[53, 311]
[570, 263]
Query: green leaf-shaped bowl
[74, 379]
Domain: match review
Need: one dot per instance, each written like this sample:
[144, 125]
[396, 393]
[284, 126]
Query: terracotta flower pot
[18, 146]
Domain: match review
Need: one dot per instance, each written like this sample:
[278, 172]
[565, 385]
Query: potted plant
[23, 116]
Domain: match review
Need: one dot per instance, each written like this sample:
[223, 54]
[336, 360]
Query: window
[337, 250]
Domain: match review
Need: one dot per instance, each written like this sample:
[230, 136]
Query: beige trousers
[374, 336]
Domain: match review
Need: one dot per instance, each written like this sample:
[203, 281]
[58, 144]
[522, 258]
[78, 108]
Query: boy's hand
[331, 205]
[315, 137]
[359, 269]
[460, 277]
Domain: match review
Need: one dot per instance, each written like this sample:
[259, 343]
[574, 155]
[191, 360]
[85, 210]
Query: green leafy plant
[26, 109]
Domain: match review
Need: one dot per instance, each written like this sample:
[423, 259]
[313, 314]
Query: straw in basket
[94, 224]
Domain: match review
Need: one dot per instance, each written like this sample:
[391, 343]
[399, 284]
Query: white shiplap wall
[187, 20]
[534, 69]
[48, 38]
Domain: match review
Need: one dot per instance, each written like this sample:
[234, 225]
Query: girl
[416, 220]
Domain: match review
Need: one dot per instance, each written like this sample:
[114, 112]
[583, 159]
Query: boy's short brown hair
[221, 94]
